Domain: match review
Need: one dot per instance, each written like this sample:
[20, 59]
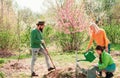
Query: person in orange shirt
[99, 36]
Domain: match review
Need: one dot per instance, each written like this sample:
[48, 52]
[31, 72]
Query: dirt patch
[12, 68]
[63, 73]
[115, 53]
[15, 65]
[5, 53]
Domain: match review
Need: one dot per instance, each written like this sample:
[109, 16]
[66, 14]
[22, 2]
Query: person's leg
[109, 74]
[34, 58]
[109, 48]
[109, 70]
[42, 51]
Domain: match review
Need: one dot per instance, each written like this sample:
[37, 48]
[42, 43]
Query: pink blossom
[71, 16]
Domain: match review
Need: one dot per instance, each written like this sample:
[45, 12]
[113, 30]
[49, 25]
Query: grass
[54, 54]
[22, 56]
[115, 47]
[2, 60]
[22, 75]
[2, 75]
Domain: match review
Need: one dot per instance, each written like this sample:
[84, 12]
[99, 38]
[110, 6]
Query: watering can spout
[89, 56]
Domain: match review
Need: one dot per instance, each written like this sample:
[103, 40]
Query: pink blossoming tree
[72, 22]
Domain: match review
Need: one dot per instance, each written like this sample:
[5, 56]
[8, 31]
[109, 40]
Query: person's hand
[95, 65]
[106, 49]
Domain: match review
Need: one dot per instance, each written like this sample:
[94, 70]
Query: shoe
[51, 68]
[109, 75]
[34, 74]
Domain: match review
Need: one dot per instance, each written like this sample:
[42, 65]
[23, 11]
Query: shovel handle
[49, 56]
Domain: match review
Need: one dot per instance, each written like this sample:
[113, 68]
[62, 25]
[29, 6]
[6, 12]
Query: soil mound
[64, 73]
[5, 53]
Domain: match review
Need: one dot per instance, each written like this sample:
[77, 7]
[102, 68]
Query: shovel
[49, 56]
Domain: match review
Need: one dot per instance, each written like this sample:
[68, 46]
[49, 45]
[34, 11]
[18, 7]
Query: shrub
[113, 33]
[71, 42]
[49, 34]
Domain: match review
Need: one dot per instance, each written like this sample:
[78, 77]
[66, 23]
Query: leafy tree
[71, 20]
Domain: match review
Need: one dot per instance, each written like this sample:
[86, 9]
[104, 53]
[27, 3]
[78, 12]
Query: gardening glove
[43, 42]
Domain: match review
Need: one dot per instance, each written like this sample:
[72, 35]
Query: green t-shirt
[106, 60]
[36, 37]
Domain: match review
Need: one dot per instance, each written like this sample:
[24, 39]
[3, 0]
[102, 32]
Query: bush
[25, 37]
[71, 42]
[8, 40]
[113, 33]
[49, 34]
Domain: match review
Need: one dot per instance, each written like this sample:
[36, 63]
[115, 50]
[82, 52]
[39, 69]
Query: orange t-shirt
[100, 38]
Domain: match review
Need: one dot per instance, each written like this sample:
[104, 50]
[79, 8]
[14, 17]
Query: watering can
[89, 56]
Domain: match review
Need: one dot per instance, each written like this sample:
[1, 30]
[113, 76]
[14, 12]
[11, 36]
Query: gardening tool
[49, 56]
[89, 73]
[89, 56]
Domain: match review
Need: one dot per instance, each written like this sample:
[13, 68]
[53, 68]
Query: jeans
[109, 68]
[35, 52]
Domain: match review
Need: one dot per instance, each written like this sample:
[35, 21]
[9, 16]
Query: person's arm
[90, 42]
[33, 38]
[42, 39]
[105, 62]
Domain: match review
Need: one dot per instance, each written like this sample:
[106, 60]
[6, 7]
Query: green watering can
[89, 56]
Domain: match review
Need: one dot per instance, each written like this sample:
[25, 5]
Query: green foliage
[113, 33]
[22, 56]
[70, 42]
[49, 34]
[115, 47]
[2, 75]
[7, 39]
[4, 38]
[2, 61]
[25, 37]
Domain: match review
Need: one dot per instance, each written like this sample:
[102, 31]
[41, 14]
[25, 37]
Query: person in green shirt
[37, 47]
[106, 62]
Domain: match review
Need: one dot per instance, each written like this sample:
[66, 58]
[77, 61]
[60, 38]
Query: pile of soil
[64, 73]
[5, 53]
[15, 65]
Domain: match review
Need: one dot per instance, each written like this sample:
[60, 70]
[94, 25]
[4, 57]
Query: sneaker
[51, 68]
[109, 75]
[34, 74]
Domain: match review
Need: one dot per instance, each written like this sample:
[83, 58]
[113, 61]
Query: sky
[35, 5]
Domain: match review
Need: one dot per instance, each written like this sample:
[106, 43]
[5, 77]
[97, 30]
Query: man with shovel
[37, 46]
